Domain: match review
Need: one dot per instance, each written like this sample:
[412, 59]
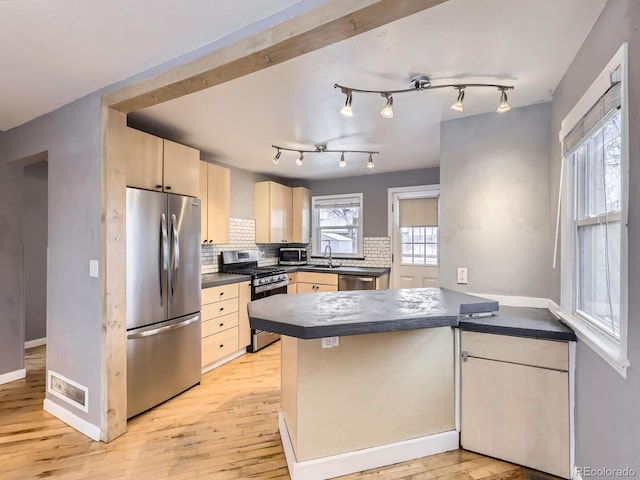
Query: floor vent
[68, 390]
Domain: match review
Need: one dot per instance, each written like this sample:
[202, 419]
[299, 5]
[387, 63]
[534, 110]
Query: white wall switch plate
[93, 268]
[330, 342]
[462, 275]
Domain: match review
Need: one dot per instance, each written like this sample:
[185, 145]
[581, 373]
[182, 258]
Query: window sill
[603, 346]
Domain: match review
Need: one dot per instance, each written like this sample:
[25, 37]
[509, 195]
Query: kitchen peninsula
[383, 391]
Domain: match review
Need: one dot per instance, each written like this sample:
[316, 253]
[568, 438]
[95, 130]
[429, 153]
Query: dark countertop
[329, 314]
[370, 271]
[217, 279]
[520, 322]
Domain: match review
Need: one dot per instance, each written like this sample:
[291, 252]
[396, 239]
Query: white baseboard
[89, 429]
[515, 301]
[13, 376]
[365, 459]
[35, 343]
[223, 360]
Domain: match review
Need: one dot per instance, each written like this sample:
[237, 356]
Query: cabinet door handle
[222, 324]
[465, 356]
[221, 293]
[158, 186]
[167, 187]
[222, 345]
[221, 308]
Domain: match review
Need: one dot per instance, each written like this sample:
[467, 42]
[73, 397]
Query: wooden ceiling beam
[330, 23]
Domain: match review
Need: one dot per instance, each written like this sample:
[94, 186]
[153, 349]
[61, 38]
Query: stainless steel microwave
[293, 256]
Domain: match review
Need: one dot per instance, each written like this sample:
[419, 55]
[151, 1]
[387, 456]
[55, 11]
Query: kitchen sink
[324, 266]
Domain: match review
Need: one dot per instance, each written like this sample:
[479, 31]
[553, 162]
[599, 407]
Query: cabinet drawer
[216, 325]
[214, 347]
[520, 350]
[218, 309]
[318, 278]
[315, 287]
[222, 292]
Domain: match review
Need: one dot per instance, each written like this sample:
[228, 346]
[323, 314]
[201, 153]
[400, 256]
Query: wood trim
[325, 25]
[113, 422]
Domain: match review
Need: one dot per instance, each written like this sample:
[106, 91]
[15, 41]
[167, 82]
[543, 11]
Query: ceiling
[526, 43]
[55, 51]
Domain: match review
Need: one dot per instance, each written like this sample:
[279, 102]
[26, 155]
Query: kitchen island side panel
[370, 390]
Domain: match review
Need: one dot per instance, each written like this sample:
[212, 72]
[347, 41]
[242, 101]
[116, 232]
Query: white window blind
[416, 212]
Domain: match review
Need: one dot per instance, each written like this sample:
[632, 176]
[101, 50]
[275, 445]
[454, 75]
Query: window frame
[316, 241]
[612, 350]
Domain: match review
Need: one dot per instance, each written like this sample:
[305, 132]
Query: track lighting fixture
[421, 83]
[276, 159]
[387, 111]
[504, 104]
[458, 106]
[370, 163]
[322, 148]
[346, 109]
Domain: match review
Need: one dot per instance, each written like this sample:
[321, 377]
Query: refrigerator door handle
[156, 331]
[175, 258]
[164, 257]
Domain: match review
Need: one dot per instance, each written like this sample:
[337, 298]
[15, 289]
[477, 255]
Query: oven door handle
[271, 286]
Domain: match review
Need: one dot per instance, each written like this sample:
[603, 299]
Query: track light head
[370, 163]
[387, 111]
[300, 159]
[504, 104]
[276, 159]
[346, 109]
[342, 163]
[458, 105]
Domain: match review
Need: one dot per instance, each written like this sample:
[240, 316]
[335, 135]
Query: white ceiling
[55, 51]
[527, 43]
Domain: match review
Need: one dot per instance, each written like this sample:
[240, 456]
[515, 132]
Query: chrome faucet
[328, 247]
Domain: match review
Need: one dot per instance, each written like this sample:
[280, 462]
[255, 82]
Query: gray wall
[374, 193]
[71, 135]
[34, 228]
[494, 202]
[11, 323]
[607, 413]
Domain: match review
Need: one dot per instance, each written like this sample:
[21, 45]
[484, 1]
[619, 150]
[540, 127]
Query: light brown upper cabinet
[282, 213]
[157, 164]
[215, 194]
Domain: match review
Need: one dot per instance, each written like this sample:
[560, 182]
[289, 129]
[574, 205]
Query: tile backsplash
[242, 235]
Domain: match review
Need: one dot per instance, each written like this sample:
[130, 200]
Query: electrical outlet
[462, 276]
[330, 342]
[93, 268]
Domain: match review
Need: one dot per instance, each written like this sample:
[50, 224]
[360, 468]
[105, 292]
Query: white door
[414, 236]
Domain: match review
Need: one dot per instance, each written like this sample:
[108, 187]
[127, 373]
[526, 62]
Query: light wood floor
[224, 429]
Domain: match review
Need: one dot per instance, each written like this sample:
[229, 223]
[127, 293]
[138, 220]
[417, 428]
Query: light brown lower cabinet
[292, 285]
[309, 282]
[515, 400]
[219, 322]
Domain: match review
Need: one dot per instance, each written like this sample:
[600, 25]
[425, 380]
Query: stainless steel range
[265, 281]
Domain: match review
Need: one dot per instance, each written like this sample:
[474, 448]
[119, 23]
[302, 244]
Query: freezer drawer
[163, 360]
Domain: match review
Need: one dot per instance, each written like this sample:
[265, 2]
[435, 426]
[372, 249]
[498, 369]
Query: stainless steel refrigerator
[163, 297]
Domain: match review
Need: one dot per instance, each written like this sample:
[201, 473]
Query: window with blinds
[593, 148]
[337, 224]
[418, 222]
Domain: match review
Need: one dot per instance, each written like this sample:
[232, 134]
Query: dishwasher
[356, 282]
